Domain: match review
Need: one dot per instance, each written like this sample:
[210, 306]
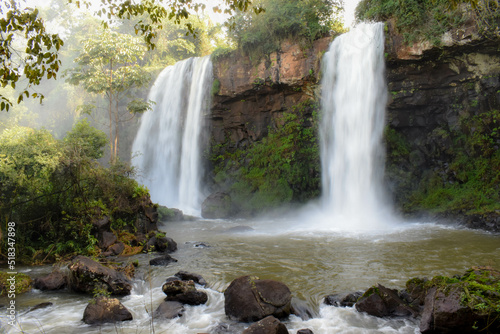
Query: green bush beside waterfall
[53, 190]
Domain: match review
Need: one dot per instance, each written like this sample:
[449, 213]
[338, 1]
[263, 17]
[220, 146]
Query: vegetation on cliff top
[427, 20]
[302, 21]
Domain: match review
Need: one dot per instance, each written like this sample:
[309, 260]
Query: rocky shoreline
[466, 303]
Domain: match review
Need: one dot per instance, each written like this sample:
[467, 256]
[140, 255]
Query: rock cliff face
[433, 92]
[249, 96]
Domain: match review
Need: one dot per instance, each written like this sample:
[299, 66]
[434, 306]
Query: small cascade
[354, 99]
[167, 147]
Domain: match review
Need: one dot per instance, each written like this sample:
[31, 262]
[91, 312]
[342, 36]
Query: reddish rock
[105, 310]
[268, 325]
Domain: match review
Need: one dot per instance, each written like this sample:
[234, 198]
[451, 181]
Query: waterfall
[354, 99]
[167, 147]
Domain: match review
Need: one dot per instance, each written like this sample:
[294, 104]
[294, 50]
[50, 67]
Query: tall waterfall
[167, 147]
[354, 99]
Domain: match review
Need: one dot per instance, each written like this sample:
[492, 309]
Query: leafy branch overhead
[38, 58]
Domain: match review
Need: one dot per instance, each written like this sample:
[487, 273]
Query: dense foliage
[281, 168]
[299, 20]
[468, 184]
[54, 189]
[428, 19]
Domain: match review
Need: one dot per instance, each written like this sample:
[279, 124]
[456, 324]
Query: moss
[22, 283]
[215, 87]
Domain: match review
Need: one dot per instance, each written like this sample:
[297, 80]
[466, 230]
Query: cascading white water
[167, 148]
[354, 99]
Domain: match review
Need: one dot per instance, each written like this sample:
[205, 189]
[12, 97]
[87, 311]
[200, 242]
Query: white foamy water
[167, 148]
[353, 104]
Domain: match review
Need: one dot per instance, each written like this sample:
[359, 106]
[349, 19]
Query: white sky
[349, 6]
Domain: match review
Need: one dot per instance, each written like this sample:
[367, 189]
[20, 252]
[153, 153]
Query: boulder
[40, 306]
[444, 313]
[380, 301]
[343, 299]
[56, 280]
[184, 292]
[86, 275]
[249, 298]
[106, 240]
[302, 310]
[185, 276]
[101, 225]
[268, 325]
[217, 205]
[117, 248]
[105, 310]
[162, 260]
[161, 244]
[305, 331]
[169, 310]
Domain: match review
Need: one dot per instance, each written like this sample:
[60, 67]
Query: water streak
[353, 109]
[167, 145]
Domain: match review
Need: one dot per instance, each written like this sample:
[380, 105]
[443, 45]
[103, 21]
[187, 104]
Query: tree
[302, 20]
[40, 58]
[108, 66]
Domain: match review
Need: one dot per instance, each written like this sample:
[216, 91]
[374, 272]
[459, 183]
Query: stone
[102, 225]
[343, 299]
[249, 298]
[86, 275]
[165, 244]
[217, 206]
[107, 239]
[190, 298]
[185, 276]
[40, 306]
[169, 310]
[105, 310]
[162, 260]
[302, 310]
[56, 280]
[305, 331]
[117, 248]
[268, 325]
[380, 301]
[184, 292]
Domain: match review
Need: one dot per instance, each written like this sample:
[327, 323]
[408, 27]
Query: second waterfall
[168, 142]
[354, 98]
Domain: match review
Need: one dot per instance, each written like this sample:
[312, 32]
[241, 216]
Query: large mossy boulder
[218, 205]
[469, 303]
[87, 276]
[105, 310]
[249, 298]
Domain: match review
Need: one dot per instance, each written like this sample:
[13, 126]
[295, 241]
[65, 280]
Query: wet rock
[165, 244]
[201, 245]
[86, 275]
[380, 301]
[40, 306]
[302, 310]
[175, 287]
[240, 229]
[184, 292]
[169, 310]
[268, 325]
[161, 244]
[185, 276]
[343, 299]
[218, 205]
[107, 239]
[305, 331]
[250, 299]
[190, 298]
[105, 310]
[162, 260]
[56, 280]
[117, 248]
